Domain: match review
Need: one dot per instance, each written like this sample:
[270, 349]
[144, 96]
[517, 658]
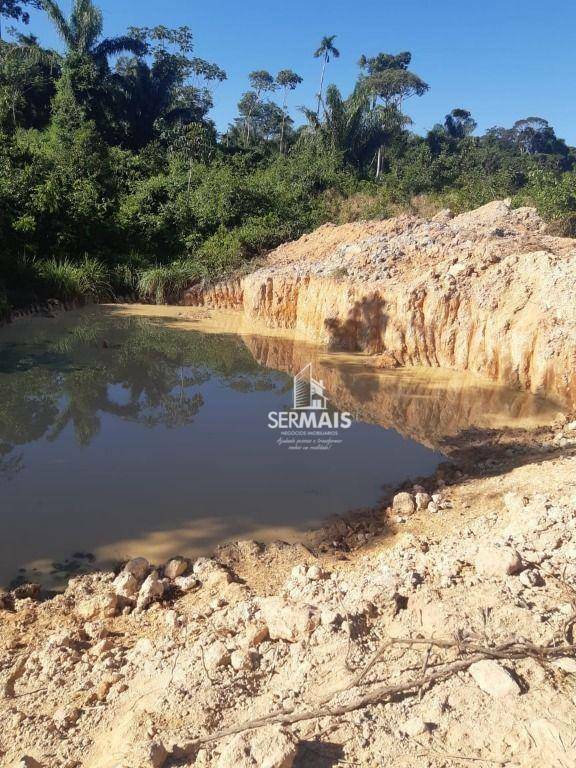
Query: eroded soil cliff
[487, 292]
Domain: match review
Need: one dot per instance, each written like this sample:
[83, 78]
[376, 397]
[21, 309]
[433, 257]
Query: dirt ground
[135, 669]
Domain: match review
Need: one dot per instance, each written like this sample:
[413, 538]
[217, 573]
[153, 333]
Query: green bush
[165, 283]
[62, 279]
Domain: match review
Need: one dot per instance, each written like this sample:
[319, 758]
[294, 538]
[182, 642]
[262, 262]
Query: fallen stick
[508, 650]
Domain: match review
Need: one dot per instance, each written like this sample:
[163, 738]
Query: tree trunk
[379, 162]
[283, 121]
[321, 86]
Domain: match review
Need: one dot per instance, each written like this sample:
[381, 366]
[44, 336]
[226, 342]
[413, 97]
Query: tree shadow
[363, 328]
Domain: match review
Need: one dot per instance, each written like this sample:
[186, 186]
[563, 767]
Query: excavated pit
[486, 292]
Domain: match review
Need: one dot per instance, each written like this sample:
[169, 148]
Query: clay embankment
[486, 292]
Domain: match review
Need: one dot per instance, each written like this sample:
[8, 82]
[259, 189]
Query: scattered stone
[414, 727]
[125, 585]
[422, 500]
[186, 583]
[497, 561]
[243, 660]
[566, 664]
[216, 655]
[138, 567]
[269, 747]
[494, 679]
[99, 606]
[288, 621]
[152, 589]
[403, 503]
[176, 567]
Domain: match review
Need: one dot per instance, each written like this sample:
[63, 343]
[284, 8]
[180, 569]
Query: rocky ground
[475, 569]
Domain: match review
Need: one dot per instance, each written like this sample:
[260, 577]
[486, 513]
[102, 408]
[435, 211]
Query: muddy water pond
[133, 431]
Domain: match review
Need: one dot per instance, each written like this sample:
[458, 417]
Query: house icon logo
[309, 393]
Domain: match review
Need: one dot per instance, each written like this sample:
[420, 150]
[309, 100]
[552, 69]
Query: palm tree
[82, 30]
[324, 51]
[350, 126]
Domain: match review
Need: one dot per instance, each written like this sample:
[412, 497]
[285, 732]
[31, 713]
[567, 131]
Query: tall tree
[27, 79]
[287, 80]
[325, 50]
[166, 89]
[349, 126]
[387, 78]
[82, 31]
[261, 82]
[459, 123]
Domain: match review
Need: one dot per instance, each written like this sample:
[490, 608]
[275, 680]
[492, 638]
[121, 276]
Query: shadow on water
[143, 435]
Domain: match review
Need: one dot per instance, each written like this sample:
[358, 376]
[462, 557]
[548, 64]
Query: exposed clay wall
[487, 292]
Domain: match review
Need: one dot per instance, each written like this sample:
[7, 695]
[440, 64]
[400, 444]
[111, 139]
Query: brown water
[138, 431]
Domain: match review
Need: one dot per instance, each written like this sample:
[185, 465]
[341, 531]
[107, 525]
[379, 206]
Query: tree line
[114, 180]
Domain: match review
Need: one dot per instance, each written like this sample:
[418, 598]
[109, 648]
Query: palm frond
[112, 46]
[62, 27]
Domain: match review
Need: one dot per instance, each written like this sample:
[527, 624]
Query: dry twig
[471, 650]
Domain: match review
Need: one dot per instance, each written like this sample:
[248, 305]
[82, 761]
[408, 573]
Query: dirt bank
[488, 292]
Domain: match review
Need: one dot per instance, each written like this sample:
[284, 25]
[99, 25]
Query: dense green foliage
[114, 181]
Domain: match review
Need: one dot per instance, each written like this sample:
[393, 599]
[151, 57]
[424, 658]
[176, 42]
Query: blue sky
[503, 60]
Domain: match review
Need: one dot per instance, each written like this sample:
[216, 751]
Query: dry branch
[473, 651]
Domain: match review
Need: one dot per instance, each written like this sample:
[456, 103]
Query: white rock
[243, 660]
[152, 589]
[151, 754]
[270, 747]
[493, 679]
[414, 727]
[314, 573]
[422, 501]
[566, 664]
[138, 567]
[125, 584]
[288, 621]
[187, 583]
[216, 655]
[104, 605]
[175, 567]
[497, 561]
[403, 503]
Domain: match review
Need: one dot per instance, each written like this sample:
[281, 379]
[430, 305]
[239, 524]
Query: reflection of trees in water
[132, 368]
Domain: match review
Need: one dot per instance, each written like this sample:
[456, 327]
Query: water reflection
[125, 433]
[72, 371]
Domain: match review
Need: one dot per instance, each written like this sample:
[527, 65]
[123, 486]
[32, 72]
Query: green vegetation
[114, 181]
